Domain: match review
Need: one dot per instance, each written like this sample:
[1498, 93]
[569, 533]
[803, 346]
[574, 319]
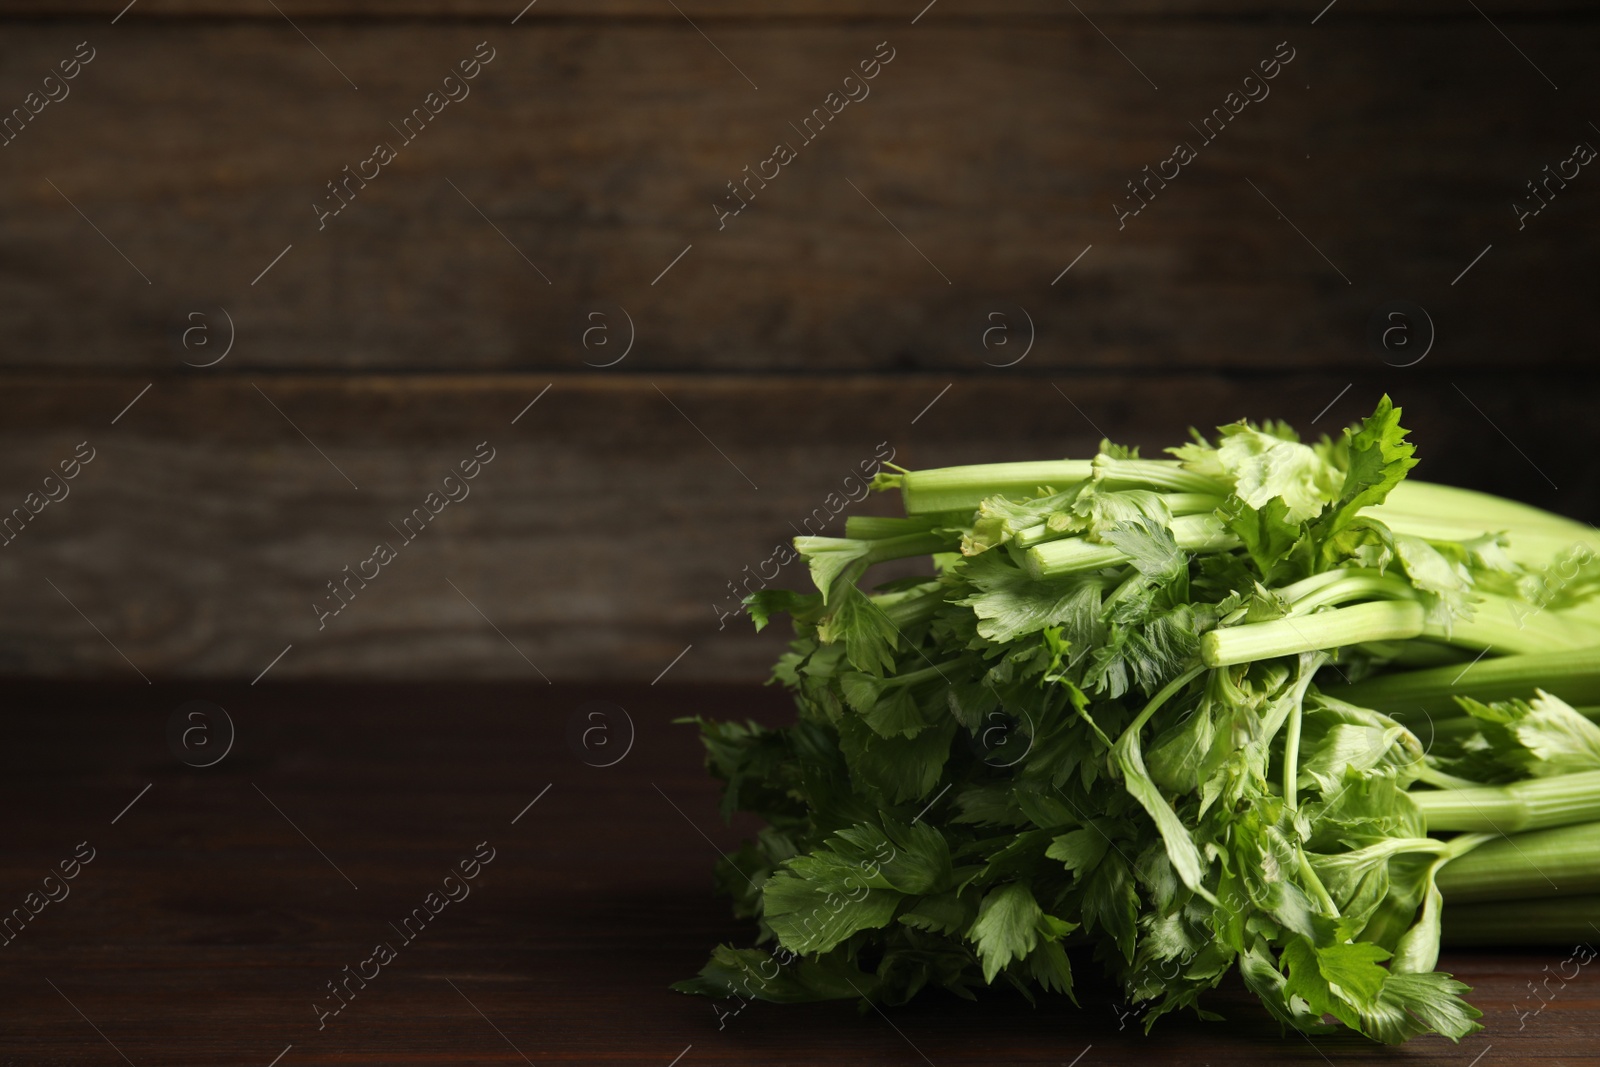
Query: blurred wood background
[160, 213]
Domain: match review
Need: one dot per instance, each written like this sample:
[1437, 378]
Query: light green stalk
[1349, 585]
[1074, 555]
[1544, 863]
[1530, 804]
[1334, 628]
[1177, 504]
[1573, 675]
[1512, 627]
[1472, 513]
[964, 488]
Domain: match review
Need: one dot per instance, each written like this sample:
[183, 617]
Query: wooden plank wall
[160, 212]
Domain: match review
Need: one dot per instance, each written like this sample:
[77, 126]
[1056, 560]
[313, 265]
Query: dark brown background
[797, 339]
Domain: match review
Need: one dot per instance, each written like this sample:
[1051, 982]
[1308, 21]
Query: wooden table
[220, 901]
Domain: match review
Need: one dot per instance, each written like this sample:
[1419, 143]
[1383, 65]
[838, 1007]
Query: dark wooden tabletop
[221, 901]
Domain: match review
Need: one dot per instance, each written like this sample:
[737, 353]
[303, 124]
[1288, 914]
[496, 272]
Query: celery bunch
[1265, 705]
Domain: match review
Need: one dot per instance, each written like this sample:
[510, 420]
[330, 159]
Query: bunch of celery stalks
[1523, 867]
[1338, 716]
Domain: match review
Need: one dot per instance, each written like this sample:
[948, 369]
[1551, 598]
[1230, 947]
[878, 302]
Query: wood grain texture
[898, 11]
[597, 152]
[603, 535]
[206, 926]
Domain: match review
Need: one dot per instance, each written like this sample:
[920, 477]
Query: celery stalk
[1530, 804]
[1355, 586]
[878, 527]
[964, 488]
[1544, 863]
[1154, 474]
[1073, 555]
[1178, 504]
[1334, 628]
[1573, 675]
[1469, 508]
[1510, 627]
[883, 549]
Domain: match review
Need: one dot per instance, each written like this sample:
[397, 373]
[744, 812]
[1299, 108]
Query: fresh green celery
[883, 549]
[1178, 504]
[1358, 585]
[1531, 804]
[1155, 474]
[1509, 627]
[1573, 675]
[1073, 555]
[964, 488]
[1544, 863]
[1334, 628]
[900, 830]
[878, 527]
[1471, 509]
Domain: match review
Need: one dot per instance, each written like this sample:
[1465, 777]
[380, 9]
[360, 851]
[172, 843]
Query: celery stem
[1573, 675]
[1291, 760]
[1074, 555]
[964, 488]
[1354, 587]
[1531, 804]
[1544, 863]
[1333, 628]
